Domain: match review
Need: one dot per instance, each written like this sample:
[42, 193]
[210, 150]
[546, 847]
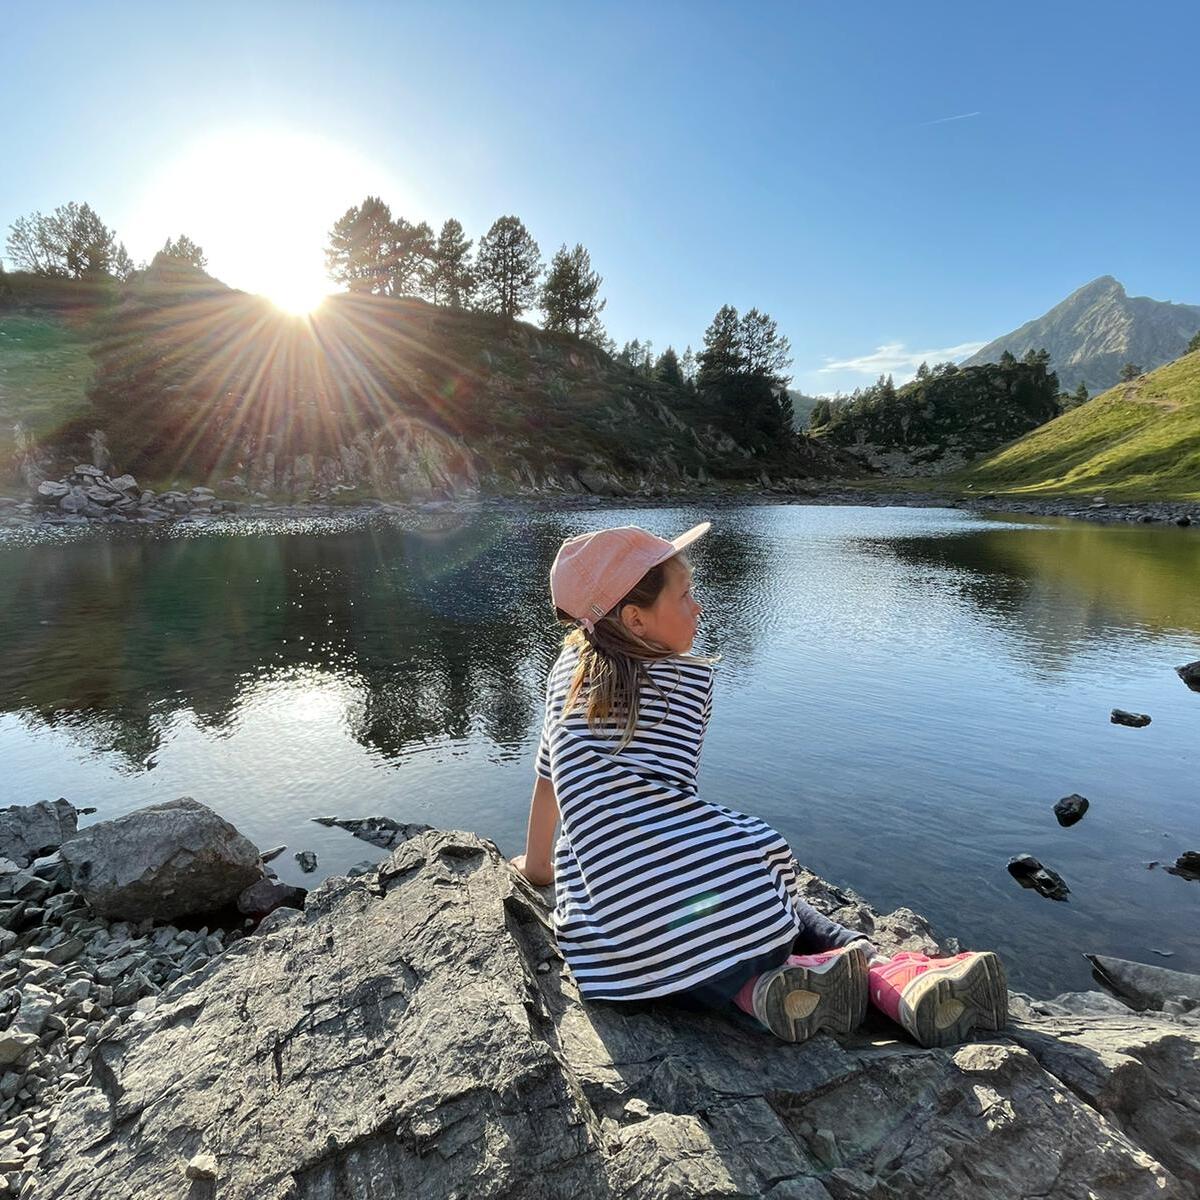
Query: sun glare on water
[261, 203]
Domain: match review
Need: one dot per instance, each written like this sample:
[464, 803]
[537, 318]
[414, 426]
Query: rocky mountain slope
[381, 397]
[940, 422]
[1096, 330]
[1139, 439]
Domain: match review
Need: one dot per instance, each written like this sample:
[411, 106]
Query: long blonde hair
[612, 659]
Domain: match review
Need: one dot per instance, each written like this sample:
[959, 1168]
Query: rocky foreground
[411, 1032]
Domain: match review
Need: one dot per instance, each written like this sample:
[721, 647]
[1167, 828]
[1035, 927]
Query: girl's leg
[940, 1000]
[809, 993]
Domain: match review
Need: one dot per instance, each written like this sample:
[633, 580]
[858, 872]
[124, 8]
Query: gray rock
[1187, 865]
[50, 489]
[1190, 674]
[1030, 873]
[1143, 986]
[162, 861]
[125, 483]
[14, 1043]
[1133, 720]
[102, 496]
[29, 831]
[266, 896]
[1070, 809]
[87, 471]
[397, 1040]
[307, 860]
[202, 1166]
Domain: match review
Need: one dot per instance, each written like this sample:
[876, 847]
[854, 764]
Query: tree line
[72, 242]
[371, 251]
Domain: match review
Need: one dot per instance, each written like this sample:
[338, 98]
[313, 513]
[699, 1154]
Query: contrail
[943, 120]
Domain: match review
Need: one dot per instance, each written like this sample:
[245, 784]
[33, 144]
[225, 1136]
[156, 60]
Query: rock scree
[413, 1033]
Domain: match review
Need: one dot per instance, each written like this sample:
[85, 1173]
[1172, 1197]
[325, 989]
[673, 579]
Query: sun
[261, 201]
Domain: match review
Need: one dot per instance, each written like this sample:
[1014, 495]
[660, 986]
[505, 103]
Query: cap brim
[693, 535]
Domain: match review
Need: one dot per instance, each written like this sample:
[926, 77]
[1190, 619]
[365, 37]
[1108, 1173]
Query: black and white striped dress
[657, 888]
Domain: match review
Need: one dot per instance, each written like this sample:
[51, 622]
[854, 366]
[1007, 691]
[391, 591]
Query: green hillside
[1136, 441]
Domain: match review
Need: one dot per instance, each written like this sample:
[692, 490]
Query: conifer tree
[1129, 372]
[185, 250]
[1194, 344]
[507, 268]
[570, 295]
[667, 368]
[451, 279]
[360, 248]
[411, 258]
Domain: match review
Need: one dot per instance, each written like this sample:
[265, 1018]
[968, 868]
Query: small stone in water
[1187, 865]
[1030, 873]
[307, 860]
[1070, 809]
[1133, 720]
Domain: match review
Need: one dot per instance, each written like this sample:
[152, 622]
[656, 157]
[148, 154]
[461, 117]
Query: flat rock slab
[412, 1033]
[27, 831]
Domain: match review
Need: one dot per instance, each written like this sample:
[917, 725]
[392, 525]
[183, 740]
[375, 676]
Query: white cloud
[896, 359]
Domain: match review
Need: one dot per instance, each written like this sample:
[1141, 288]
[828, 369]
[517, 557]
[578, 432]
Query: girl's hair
[612, 659]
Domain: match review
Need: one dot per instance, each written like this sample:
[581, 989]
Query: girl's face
[672, 619]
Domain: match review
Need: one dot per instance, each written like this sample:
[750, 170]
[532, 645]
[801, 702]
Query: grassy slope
[1138, 440]
[44, 374]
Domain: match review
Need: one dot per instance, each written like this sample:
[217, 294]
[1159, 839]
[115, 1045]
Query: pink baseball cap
[593, 571]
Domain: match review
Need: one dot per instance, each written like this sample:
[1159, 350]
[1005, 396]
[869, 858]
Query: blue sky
[923, 176]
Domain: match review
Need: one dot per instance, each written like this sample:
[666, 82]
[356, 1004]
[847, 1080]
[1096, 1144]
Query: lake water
[904, 693]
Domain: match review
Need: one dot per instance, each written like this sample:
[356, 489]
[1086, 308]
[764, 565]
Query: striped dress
[657, 888]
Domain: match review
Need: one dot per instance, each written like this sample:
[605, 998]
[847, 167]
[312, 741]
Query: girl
[660, 892]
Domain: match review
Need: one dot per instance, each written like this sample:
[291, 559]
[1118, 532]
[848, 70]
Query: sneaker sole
[940, 1008]
[800, 1002]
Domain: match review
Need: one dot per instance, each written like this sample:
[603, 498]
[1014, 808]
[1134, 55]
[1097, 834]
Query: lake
[904, 693]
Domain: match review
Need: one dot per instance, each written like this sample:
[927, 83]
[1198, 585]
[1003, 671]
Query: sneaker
[940, 1000]
[812, 992]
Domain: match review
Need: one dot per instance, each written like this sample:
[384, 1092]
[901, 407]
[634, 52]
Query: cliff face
[1096, 330]
[413, 1033]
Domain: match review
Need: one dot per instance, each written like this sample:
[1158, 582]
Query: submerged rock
[1030, 873]
[1187, 865]
[1133, 720]
[1070, 809]
[400, 1039]
[162, 861]
[1190, 674]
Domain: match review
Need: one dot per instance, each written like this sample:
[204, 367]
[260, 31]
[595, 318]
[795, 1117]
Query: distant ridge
[1096, 330]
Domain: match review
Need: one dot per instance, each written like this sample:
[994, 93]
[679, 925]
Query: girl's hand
[539, 874]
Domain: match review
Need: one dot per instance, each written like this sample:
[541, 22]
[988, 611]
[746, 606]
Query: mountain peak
[1098, 289]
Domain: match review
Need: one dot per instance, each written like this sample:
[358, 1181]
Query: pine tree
[570, 295]
[507, 268]
[766, 350]
[822, 413]
[410, 260]
[1081, 394]
[723, 354]
[1194, 344]
[1129, 372]
[1008, 359]
[451, 280]
[185, 250]
[687, 364]
[122, 264]
[667, 369]
[360, 248]
[72, 241]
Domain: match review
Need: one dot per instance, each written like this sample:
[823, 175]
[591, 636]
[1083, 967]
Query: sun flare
[261, 202]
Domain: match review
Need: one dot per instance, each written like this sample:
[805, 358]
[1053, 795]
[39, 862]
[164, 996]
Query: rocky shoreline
[87, 497]
[412, 1031]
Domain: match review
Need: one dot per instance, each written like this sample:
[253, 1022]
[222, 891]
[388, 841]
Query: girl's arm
[536, 864]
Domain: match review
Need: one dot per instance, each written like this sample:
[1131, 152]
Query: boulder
[1030, 873]
[1190, 674]
[413, 1033]
[1070, 809]
[124, 483]
[162, 861]
[50, 489]
[1143, 985]
[29, 831]
[1133, 720]
[102, 495]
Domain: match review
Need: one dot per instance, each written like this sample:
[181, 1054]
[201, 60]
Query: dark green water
[904, 693]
